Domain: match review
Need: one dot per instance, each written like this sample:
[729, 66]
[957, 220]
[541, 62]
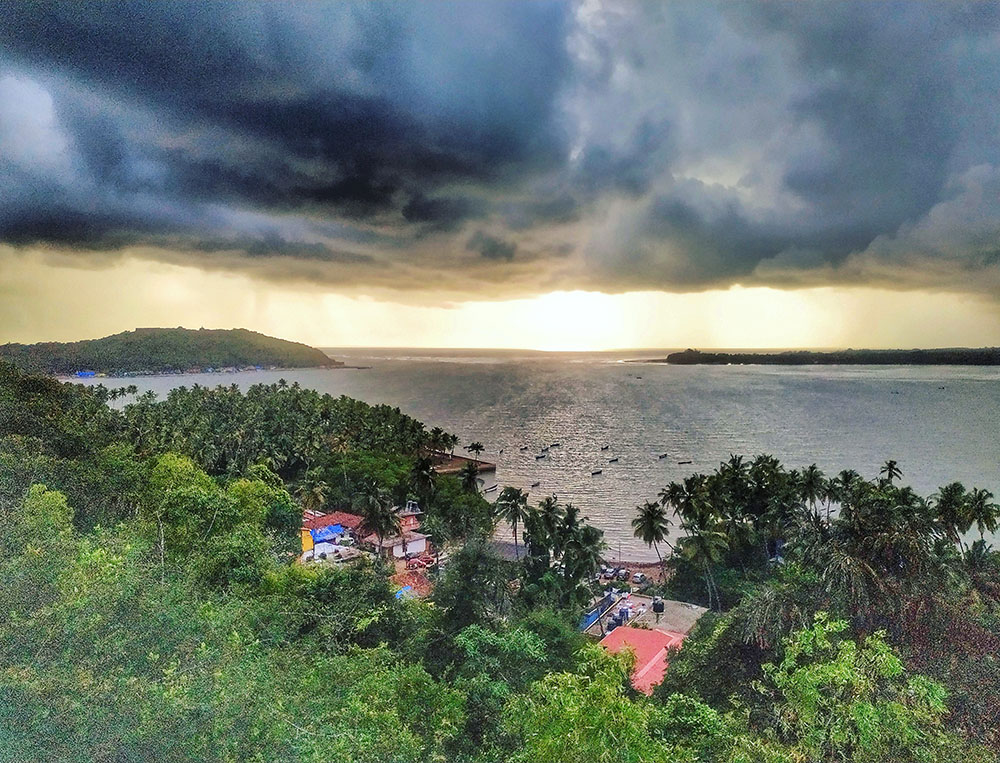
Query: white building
[409, 542]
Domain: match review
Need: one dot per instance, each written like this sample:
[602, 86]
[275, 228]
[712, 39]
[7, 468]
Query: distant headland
[148, 351]
[958, 356]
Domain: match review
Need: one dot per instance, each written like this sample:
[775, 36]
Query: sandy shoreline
[163, 374]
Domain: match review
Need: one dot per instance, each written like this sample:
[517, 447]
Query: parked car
[639, 577]
[415, 564]
[622, 574]
[428, 560]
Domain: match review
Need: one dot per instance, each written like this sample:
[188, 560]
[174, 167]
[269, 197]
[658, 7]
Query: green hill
[158, 350]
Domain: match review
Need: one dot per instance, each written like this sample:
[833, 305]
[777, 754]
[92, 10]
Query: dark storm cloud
[275, 246]
[613, 145]
[442, 211]
[356, 111]
[491, 247]
[849, 125]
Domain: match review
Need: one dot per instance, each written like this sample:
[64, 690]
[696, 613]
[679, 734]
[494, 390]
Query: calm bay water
[940, 423]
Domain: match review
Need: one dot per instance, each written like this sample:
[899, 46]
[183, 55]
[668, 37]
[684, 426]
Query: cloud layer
[499, 149]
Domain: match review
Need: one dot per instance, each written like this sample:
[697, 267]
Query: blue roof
[326, 533]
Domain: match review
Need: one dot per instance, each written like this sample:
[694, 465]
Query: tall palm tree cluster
[869, 542]
[288, 427]
[773, 546]
[439, 441]
[555, 536]
[105, 394]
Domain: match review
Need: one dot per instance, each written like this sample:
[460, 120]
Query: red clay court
[650, 649]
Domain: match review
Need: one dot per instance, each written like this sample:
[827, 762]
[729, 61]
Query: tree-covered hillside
[152, 608]
[155, 350]
[954, 356]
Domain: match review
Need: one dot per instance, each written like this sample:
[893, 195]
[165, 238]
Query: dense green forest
[150, 609]
[955, 356]
[156, 350]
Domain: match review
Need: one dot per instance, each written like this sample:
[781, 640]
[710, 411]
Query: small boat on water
[595, 472]
[545, 449]
[540, 456]
[524, 448]
[682, 463]
[613, 460]
[555, 445]
[663, 455]
[605, 447]
[535, 484]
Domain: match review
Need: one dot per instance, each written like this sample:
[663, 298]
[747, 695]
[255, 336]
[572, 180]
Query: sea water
[940, 423]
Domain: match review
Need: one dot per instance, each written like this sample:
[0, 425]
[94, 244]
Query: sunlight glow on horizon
[43, 302]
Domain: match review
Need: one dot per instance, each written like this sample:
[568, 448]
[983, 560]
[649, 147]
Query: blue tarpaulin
[589, 618]
[326, 533]
[405, 590]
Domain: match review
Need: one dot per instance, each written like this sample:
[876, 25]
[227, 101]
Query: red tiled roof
[650, 649]
[312, 520]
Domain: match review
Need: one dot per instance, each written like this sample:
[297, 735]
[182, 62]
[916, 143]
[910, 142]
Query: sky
[546, 175]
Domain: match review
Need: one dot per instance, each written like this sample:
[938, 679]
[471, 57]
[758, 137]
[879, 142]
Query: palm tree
[651, 525]
[832, 493]
[422, 479]
[981, 567]
[436, 439]
[704, 546]
[583, 552]
[688, 499]
[952, 508]
[981, 511]
[470, 477]
[672, 495]
[891, 471]
[550, 515]
[812, 486]
[476, 448]
[512, 507]
[569, 526]
[849, 479]
[377, 515]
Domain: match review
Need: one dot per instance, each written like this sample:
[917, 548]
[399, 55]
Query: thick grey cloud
[617, 145]
[491, 247]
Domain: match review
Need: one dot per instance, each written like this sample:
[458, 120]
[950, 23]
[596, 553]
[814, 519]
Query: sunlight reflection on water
[838, 417]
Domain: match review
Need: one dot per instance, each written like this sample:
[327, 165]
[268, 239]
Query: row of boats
[614, 460]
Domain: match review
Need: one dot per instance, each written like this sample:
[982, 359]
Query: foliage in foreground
[149, 610]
